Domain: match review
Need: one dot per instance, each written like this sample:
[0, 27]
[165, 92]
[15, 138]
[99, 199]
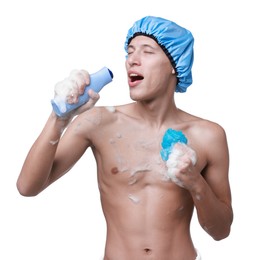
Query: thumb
[94, 97]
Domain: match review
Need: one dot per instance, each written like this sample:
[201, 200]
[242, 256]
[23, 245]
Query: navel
[148, 251]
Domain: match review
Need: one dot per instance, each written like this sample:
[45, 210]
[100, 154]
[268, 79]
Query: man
[148, 207]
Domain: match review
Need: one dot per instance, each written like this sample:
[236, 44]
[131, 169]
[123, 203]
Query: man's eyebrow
[143, 46]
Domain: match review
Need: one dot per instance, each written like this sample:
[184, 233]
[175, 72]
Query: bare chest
[131, 155]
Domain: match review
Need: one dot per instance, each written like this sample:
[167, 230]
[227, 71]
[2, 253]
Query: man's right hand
[72, 87]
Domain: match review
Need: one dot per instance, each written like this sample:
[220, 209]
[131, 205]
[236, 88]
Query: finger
[94, 97]
[86, 76]
[86, 81]
[81, 77]
[73, 94]
[186, 150]
[66, 90]
[185, 165]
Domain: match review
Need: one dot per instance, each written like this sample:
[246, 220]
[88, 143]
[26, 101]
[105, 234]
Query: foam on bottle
[97, 81]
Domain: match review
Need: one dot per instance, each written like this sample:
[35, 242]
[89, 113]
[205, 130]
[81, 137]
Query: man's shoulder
[204, 128]
[105, 115]
[199, 122]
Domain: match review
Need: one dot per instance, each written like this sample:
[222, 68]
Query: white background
[42, 41]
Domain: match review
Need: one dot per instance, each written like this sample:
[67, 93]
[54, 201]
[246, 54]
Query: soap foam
[111, 109]
[67, 87]
[134, 199]
[62, 90]
[175, 157]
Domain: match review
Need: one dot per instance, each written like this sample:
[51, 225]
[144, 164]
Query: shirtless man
[147, 213]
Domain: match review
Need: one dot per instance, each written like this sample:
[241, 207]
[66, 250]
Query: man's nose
[134, 59]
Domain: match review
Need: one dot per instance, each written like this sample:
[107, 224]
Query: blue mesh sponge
[170, 138]
[176, 41]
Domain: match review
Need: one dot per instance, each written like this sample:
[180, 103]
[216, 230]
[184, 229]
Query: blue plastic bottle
[97, 81]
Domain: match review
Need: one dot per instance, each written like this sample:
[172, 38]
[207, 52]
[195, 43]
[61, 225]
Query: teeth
[133, 75]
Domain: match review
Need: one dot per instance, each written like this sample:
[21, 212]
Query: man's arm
[210, 189]
[52, 154]
[36, 170]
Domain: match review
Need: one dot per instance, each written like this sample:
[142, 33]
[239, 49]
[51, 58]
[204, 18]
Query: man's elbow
[25, 191]
[220, 231]
[224, 228]
[222, 235]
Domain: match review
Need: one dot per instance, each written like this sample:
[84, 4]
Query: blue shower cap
[176, 41]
